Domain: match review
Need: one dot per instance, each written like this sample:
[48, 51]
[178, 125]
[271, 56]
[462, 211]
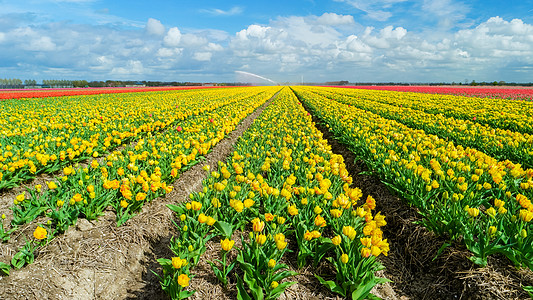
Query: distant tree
[80, 83]
[96, 84]
[30, 82]
[10, 83]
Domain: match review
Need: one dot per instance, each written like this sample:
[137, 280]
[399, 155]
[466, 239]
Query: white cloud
[155, 27]
[173, 37]
[192, 41]
[333, 19]
[305, 30]
[390, 33]
[236, 10]
[375, 9]
[447, 12]
[202, 56]
[356, 45]
[214, 47]
[132, 67]
[321, 47]
[43, 43]
[104, 60]
[256, 31]
[499, 39]
[497, 25]
[168, 52]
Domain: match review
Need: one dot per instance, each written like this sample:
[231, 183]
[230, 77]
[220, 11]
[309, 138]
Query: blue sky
[355, 40]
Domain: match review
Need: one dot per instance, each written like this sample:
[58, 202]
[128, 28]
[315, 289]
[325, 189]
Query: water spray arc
[255, 75]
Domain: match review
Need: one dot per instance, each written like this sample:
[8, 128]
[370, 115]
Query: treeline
[14, 83]
[10, 83]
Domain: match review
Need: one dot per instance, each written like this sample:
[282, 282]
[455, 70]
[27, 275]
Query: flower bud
[344, 258]
[271, 263]
[492, 230]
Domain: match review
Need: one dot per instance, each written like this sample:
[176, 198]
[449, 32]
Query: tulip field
[459, 190]
[41, 93]
[516, 93]
[283, 202]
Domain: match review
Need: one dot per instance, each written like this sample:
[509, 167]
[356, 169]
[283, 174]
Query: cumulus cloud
[252, 31]
[306, 30]
[173, 37]
[214, 47]
[497, 38]
[154, 27]
[333, 19]
[101, 63]
[43, 43]
[355, 44]
[168, 52]
[202, 56]
[131, 67]
[192, 40]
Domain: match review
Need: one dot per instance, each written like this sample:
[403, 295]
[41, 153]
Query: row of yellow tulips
[284, 186]
[128, 178]
[459, 191]
[499, 143]
[44, 135]
[497, 113]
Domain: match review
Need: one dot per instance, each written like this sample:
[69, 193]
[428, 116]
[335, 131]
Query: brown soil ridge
[97, 260]
[410, 264]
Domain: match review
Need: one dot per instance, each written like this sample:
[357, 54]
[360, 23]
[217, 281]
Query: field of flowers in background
[511, 93]
[41, 93]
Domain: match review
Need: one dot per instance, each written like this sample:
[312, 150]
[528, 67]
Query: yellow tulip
[260, 239]
[349, 231]
[183, 280]
[227, 244]
[40, 233]
[271, 263]
[344, 258]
